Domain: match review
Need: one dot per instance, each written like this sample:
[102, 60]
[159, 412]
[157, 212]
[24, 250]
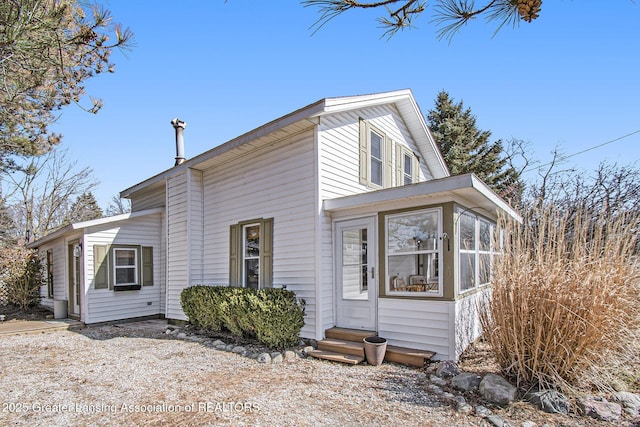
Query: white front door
[75, 282]
[356, 273]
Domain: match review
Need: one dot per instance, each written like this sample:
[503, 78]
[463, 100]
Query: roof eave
[85, 224]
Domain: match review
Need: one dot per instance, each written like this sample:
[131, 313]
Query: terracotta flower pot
[374, 350]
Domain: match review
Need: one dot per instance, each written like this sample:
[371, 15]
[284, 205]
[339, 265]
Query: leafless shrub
[565, 307]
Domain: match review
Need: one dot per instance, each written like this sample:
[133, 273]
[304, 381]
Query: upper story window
[375, 157]
[407, 165]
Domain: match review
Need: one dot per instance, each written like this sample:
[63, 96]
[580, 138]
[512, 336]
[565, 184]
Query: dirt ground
[114, 375]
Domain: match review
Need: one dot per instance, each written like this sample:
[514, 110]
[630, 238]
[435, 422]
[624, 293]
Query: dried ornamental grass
[565, 306]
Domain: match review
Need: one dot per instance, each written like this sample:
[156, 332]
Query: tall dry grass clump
[565, 306]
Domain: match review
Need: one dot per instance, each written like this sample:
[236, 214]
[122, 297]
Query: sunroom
[413, 262]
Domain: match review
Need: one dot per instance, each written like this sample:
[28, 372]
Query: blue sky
[571, 78]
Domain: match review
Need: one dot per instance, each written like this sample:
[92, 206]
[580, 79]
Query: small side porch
[347, 346]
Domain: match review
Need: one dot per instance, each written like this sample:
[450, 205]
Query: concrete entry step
[336, 357]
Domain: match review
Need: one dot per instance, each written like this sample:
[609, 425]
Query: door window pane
[355, 266]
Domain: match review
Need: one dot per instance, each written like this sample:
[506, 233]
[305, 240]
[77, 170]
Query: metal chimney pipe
[179, 126]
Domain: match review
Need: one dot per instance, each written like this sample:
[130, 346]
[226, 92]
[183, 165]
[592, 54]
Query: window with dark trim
[122, 267]
[251, 254]
[413, 253]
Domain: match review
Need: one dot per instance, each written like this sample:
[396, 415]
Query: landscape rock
[464, 408]
[216, 343]
[459, 399]
[276, 357]
[528, 424]
[482, 411]
[434, 379]
[448, 396]
[550, 401]
[629, 401]
[222, 346]
[238, 349]
[467, 381]
[181, 336]
[599, 408]
[229, 347]
[434, 389]
[308, 349]
[496, 389]
[264, 358]
[496, 421]
[447, 369]
[290, 355]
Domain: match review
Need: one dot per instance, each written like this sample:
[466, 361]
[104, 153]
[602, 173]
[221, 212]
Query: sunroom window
[413, 252]
[475, 252]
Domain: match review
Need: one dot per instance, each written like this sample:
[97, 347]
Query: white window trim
[116, 267]
[475, 251]
[401, 172]
[366, 129]
[244, 252]
[438, 251]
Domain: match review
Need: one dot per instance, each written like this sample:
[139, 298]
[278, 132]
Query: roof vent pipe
[179, 126]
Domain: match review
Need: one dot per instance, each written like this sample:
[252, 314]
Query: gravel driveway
[100, 377]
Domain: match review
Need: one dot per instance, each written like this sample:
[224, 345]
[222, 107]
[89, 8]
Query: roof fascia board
[307, 112]
[85, 224]
[450, 184]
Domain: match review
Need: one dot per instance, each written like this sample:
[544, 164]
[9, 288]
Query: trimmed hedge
[272, 316]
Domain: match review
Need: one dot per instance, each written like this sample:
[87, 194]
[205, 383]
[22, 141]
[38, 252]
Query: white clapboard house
[347, 202]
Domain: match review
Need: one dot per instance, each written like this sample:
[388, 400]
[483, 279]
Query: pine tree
[466, 148]
[85, 208]
[7, 226]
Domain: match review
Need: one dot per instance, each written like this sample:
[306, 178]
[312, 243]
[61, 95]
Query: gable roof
[306, 117]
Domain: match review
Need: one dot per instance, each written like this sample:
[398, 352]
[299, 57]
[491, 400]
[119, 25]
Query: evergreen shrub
[272, 316]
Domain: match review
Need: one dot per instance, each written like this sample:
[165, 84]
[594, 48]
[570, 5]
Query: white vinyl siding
[177, 244]
[60, 271]
[103, 305]
[149, 199]
[339, 141]
[277, 182]
[419, 324]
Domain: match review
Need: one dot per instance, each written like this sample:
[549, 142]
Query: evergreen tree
[7, 226]
[48, 51]
[85, 208]
[466, 148]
